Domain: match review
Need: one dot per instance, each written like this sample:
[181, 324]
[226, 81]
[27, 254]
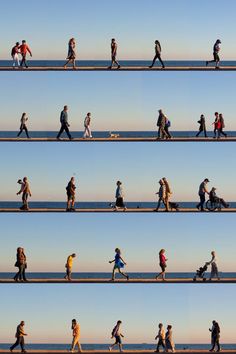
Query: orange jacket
[24, 48]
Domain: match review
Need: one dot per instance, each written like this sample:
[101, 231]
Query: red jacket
[24, 48]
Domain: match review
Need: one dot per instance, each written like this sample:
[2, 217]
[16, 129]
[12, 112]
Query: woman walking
[162, 263]
[20, 264]
[222, 125]
[71, 56]
[119, 263]
[23, 126]
[119, 197]
[202, 126]
[217, 125]
[87, 130]
[169, 340]
[214, 268]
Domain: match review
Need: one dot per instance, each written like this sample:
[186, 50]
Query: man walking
[216, 50]
[202, 191]
[215, 336]
[161, 123]
[117, 335]
[161, 338]
[26, 192]
[70, 191]
[20, 334]
[69, 264]
[202, 126]
[24, 49]
[76, 336]
[114, 54]
[157, 55]
[64, 123]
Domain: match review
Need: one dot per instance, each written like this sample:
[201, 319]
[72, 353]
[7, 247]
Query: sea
[106, 275]
[106, 134]
[127, 63]
[95, 205]
[142, 346]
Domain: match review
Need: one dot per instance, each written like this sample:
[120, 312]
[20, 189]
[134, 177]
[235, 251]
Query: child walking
[117, 335]
[119, 263]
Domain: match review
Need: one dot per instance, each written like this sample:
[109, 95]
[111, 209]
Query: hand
[110, 262]
[125, 263]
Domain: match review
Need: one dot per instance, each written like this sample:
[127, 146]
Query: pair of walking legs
[20, 341]
[200, 131]
[87, 132]
[157, 56]
[64, 127]
[75, 342]
[200, 205]
[68, 274]
[161, 343]
[23, 61]
[20, 275]
[119, 270]
[23, 127]
[162, 133]
[165, 202]
[114, 62]
[215, 342]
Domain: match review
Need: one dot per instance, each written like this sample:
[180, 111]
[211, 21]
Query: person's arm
[123, 260]
[28, 49]
[206, 191]
[122, 335]
[112, 261]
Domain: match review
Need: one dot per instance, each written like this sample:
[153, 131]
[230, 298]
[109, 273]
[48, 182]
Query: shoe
[72, 209]
[118, 67]
[67, 209]
[127, 278]
[58, 138]
[11, 350]
[109, 349]
[150, 66]
[155, 209]
[163, 67]
[217, 67]
[109, 67]
[197, 206]
[207, 63]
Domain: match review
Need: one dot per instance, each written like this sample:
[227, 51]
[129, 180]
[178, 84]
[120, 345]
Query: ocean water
[106, 275]
[94, 205]
[106, 134]
[143, 346]
[127, 63]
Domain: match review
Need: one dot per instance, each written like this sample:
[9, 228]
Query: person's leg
[225, 205]
[213, 344]
[200, 130]
[67, 131]
[79, 346]
[15, 344]
[68, 206]
[113, 273]
[26, 131]
[202, 201]
[21, 130]
[158, 204]
[218, 344]
[23, 273]
[22, 344]
[205, 132]
[73, 202]
[122, 273]
[73, 344]
[153, 62]
[60, 131]
[167, 205]
[89, 132]
[162, 64]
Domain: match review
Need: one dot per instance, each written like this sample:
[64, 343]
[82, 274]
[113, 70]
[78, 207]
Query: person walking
[23, 125]
[76, 336]
[169, 343]
[114, 54]
[215, 336]
[168, 193]
[119, 264]
[87, 130]
[162, 195]
[25, 191]
[117, 335]
[202, 126]
[157, 55]
[214, 268]
[161, 123]
[216, 50]
[20, 334]
[119, 197]
[68, 266]
[166, 129]
[222, 125]
[21, 264]
[70, 191]
[161, 338]
[217, 125]
[71, 56]
[15, 55]
[201, 192]
[64, 123]
[162, 264]
[24, 49]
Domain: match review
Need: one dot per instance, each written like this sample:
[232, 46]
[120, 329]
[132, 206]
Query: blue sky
[94, 237]
[127, 101]
[186, 29]
[190, 309]
[98, 166]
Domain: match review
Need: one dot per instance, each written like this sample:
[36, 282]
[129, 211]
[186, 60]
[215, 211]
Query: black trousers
[23, 127]
[64, 127]
[161, 343]
[20, 341]
[202, 201]
[157, 56]
[215, 342]
[200, 131]
[221, 132]
[23, 61]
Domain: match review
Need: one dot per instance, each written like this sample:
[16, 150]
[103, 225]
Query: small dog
[114, 136]
[174, 206]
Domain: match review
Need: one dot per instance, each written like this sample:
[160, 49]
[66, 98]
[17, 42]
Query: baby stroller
[200, 273]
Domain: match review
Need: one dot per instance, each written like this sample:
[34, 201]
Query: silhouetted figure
[222, 125]
[201, 192]
[76, 336]
[21, 264]
[215, 336]
[169, 340]
[114, 54]
[25, 191]
[71, 56]
[157, 55]
[70, 191]
[202, 126]
[20, 334]
[23, 126]
[117, 335]
[68, 266]
[161, 338]
[216, 50]
[15, 55]
[119, 263]
[64, 123]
